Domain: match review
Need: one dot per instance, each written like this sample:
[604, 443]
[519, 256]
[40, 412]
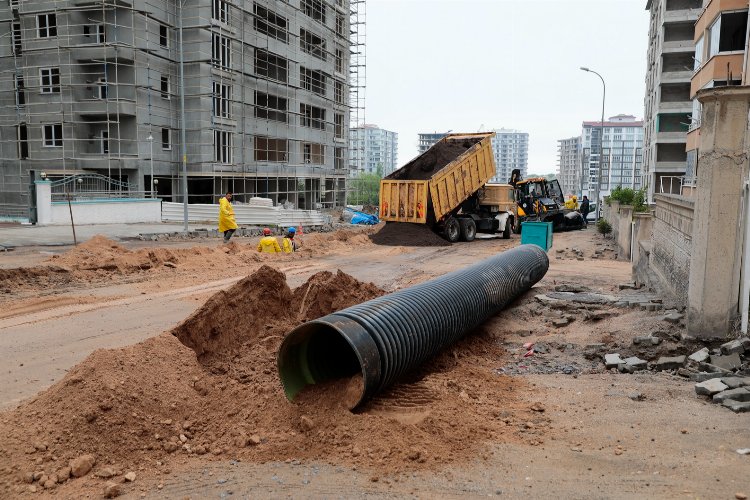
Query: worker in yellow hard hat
[268, 244]
[227, 224]
[572, 204]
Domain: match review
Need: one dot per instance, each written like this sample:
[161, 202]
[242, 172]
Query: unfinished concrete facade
[667, 103]
[569, 167]
[93, 86]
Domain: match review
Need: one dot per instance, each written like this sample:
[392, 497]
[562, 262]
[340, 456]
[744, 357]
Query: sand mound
[150, 405]
[408, 235]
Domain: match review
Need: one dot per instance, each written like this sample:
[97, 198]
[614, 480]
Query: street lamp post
[601, 143]
[182, 119]
[151, 141]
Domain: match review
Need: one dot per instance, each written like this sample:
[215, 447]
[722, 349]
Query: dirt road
[598, 434]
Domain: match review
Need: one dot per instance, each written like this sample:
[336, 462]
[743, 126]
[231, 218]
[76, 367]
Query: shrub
[603, 226]
[639, 201]
[624, 195]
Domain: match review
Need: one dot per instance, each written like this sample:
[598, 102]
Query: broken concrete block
[612, 360]
[699, 356]
[652, 307]
[703, 376]
[710, 387]
[730, 362]
[735, 382]
[547, 301]
[647, 340]
[560, 322]
[636, 362]
[736, 406]
[669, 363]
[735, 346]
[741, 394]
[625, 368]
[567, 287]
[627, 286]
[673, 318]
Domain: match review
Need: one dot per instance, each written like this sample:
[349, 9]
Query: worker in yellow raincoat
[227, 224]
[268, 244]
[288, 244]
[572, 204]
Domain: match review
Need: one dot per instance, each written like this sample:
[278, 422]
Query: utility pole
[601, 144]
[182, 119]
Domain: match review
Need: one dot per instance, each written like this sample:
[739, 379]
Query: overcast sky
[462, 65]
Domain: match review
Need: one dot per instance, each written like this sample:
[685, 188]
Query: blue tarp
[363, 218]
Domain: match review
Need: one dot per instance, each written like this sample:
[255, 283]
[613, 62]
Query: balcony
[681, 16]
[719, 67]
[100, 53]
[713, 9]
[109, 107]
[675, 107]
[678, 46]
[676, 167]
[676, 76]
[671, 137]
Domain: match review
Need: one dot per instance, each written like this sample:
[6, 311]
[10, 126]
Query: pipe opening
[319, 359]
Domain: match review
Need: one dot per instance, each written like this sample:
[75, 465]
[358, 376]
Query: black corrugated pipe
[383, 338]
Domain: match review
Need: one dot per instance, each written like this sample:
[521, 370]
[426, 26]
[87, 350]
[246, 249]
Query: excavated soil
[407, 234]
[426, 165]
[210, 387]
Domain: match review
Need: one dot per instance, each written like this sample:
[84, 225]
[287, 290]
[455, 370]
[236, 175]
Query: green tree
[365, 188]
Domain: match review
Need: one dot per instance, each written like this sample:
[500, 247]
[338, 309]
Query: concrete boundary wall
[671, 245]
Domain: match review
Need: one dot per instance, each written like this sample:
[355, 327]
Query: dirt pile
[149, 406]
[408, 235]
[426, 165]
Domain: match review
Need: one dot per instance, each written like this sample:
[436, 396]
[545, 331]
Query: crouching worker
[268, 244]
[289, 245]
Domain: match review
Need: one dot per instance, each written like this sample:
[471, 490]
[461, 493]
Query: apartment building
[720, 60]
[569, 166]
[668, 107]
[511, 151]
[622, 154]
[373, 150]
[89, 86]
[428, 139]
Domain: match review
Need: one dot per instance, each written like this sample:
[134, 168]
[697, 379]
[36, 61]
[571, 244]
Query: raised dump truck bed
[445, 187]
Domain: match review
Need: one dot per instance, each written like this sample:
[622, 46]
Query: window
[16, 37]
[270, 149]
[103, 90]
[20, 91]
[270, 107]
[46, 25]
[714, 32]
[163, 36]
[312, 44]
[339, 61]
[49, 80]
[166, 140]
[340, 26]
[23, 141]
[101, 34]
[222, 51]
[270, 23]
[338, 92]
[222, 146]
[338, 158]
[222, 100]
[314, 81]
[313, 153]
[220, 11]
[53, 135]
[313, 117]
[315, 9]
[338, 126]
[270, 65]
[165, 87]
[104, 142]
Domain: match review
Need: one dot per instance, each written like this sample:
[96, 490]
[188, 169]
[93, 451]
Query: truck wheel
[506, 231]
[468, 229]
[452, 229]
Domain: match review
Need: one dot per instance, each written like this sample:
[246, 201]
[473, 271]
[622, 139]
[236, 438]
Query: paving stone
[652, 307]
[612, 360]
[625, 368]
[567, 287]
[736, 406]
[703, 376]
[560, 322]
[699, 356]
[735, 382]
[735, 346]
[583, 298]
[730, 362]
[670, 363]
[740, 394]
[636, 362]
[710, 387]
[708, 367]
[673, 318]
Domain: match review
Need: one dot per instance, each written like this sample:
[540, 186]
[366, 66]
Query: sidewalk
[27, 235]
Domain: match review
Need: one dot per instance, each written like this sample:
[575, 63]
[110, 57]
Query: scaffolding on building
[93, 86]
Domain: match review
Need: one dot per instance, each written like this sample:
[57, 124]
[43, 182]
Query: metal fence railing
[670, 184]
[93, 186]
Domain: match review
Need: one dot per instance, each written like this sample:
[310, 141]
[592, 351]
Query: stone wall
[670, 251]
[643, 227]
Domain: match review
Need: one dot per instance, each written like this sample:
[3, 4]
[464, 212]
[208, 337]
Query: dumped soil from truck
[210, 388]
[408, 235]
[430, 162]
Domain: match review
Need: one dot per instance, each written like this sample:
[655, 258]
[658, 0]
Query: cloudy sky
[462, 65]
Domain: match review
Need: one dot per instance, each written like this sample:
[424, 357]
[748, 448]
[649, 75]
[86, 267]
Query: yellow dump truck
[446, 188]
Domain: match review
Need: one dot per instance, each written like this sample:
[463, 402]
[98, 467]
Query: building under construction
[255, 97]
